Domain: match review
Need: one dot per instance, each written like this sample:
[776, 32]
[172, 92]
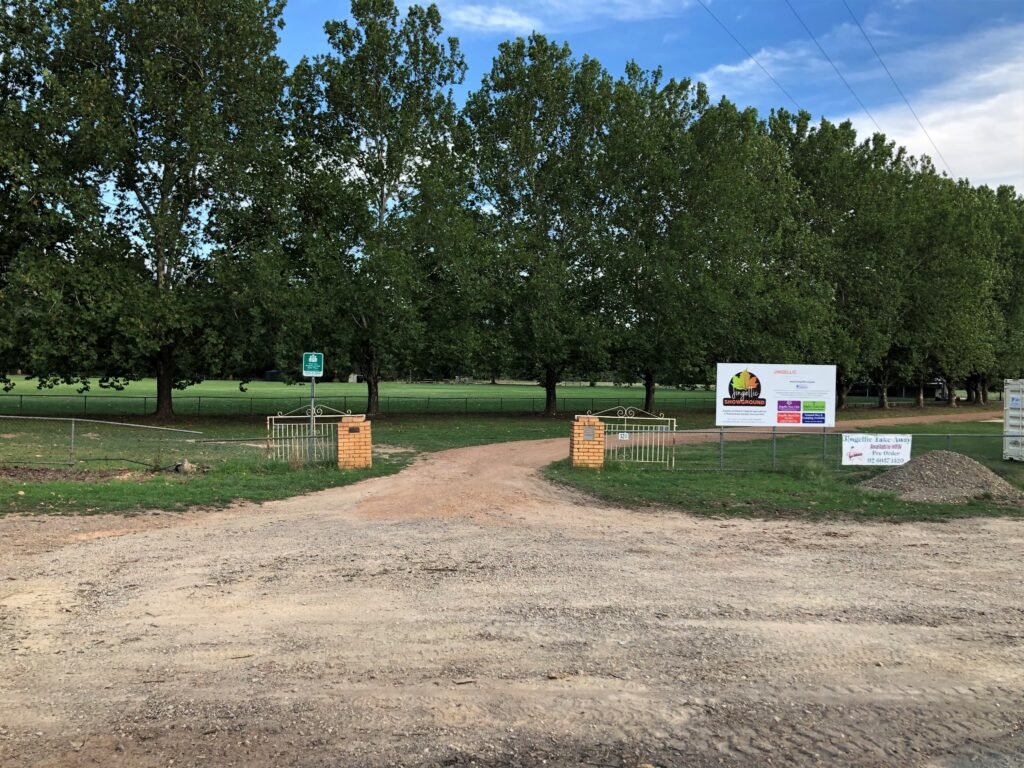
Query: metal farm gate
[636, 436]
[305, 435]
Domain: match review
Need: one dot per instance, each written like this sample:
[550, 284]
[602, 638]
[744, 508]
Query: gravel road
[465, 612]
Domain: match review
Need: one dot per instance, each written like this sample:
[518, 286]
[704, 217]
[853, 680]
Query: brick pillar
[355, 443]
[586, 443]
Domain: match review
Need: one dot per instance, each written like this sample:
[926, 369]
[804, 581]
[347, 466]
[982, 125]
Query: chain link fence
[73, 443]
[91, 406]
[760, 450]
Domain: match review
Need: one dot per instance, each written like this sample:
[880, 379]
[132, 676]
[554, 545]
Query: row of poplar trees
[176, 201]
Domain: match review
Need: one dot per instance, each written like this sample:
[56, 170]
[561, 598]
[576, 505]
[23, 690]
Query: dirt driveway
[464, 612]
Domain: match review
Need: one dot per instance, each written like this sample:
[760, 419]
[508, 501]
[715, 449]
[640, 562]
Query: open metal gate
[636, 436]
[305, 435]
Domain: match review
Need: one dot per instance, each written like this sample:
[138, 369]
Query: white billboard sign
[772, 395]
[876, 450]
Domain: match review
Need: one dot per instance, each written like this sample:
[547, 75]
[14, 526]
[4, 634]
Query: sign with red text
[876, 450]
[773, 395]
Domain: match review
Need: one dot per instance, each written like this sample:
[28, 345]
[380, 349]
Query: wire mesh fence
[86, 406]
[761, 450]
[27, 441]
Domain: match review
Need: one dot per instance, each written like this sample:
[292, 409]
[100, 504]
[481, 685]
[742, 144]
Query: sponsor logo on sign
[744, 390]
[789, 418]
[789, 405]
[813, 418]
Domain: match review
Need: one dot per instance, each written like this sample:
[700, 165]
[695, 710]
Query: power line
[829, 59]
[898, 89]
[750, 55]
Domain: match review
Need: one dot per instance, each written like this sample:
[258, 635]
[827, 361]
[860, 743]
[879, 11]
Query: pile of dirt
[944, 477]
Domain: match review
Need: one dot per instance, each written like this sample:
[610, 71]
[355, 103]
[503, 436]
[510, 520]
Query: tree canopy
[175, 201]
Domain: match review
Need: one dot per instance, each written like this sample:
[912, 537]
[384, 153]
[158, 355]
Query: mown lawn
[113, 469]
[807, 482]
[263, 398]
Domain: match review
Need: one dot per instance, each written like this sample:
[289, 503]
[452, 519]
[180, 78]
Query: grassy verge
[231, 450]
[812, 493]
[220, 486]
[802, 485]
[225, 399]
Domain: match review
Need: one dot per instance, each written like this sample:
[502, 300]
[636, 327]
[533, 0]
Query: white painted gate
[636, 436]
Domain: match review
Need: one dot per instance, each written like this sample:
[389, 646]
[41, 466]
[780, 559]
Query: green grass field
[261, 398]
[232, 447]
[232, 450]
[807, 482]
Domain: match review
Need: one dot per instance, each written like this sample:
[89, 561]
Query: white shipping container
[1013, 419]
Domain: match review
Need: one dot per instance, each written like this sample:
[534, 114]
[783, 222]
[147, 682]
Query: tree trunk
[165, 382]
[371, 371]
[550, 391]
[844, 396]
[372, 394]
[920, 394]
[951, 395]
[983, 390]
[649, 391]
[972, 391]
[883, 394]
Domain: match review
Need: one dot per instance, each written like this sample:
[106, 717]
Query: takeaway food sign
[773, 395]
[876, 450]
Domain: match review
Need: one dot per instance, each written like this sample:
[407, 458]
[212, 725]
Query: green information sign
[312, 364]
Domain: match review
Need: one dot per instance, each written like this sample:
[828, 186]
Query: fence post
[949, 440]
[85, 405]
[199, 405]
[21, 404]
[71, 450]
[824, 445]
[721, 447]
[773, 448]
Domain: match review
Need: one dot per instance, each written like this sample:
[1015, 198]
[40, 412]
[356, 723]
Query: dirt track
[466, 613]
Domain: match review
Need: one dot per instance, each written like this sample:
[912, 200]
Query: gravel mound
[945, 477]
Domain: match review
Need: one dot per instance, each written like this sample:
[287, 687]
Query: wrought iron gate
[636, 436]
[304, 436]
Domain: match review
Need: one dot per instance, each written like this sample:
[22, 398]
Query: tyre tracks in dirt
[465, 612]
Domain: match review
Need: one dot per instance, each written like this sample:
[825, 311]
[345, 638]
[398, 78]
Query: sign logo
[744, 390]
[312, 364]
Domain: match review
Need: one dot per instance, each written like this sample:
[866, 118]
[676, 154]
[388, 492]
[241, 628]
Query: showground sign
[773, 395]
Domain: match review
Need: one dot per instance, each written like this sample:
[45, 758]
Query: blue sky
[959, 62]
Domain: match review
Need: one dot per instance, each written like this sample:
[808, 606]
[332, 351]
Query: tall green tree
[851, 199]
[539, 119]
[765, 300]
[951, 322]
[659, 280]
[1008, 225]
[172, 104]
[378, 114]
[57, 250]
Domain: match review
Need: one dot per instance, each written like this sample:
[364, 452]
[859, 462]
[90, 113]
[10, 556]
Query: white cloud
[975, 116]
[746, 79]
[491, 18]
[553, 15]
[972, 102]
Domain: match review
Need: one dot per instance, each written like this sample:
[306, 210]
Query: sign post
[312, 367]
